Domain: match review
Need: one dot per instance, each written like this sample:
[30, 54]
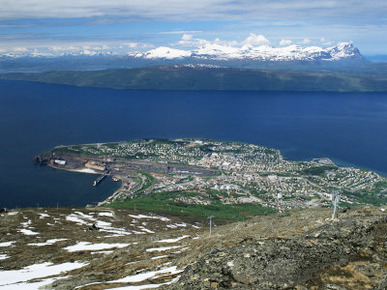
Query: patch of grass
[380, 186]
[376, 199]
[317, 170]
[163, 203]
[149, 181]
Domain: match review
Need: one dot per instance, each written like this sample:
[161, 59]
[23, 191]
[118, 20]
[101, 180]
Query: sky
[122, 26]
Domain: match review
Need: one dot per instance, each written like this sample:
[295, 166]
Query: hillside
[60, 248]
[207, 77]
[349, 253]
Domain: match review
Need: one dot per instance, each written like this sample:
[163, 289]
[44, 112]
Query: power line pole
[211, 217]
[336, 196]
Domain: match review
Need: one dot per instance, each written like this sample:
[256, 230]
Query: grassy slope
[186, 78]
[162, 203]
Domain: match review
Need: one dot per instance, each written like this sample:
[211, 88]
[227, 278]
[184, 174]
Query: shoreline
[115, 178]
[233, 172]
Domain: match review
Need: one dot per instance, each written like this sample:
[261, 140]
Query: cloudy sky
[130, 25]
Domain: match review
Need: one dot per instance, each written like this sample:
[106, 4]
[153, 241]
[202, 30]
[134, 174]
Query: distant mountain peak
[165, 52]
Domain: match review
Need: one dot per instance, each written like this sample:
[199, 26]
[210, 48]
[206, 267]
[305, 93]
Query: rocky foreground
[350, 253]
[101, 248]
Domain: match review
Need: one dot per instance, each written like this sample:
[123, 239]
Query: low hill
[204, 77]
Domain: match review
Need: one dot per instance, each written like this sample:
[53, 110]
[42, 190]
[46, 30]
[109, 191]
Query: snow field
[36, 271]
[86, 246]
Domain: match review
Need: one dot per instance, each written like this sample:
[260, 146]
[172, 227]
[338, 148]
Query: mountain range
[293, 58]
[342, 51]
[339, 52]
[210, 67]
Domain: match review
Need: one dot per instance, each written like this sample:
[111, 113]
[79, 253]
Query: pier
[99, 179]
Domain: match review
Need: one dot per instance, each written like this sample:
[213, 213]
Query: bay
[349, 128]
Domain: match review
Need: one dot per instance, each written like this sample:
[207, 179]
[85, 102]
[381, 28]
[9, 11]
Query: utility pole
[336, 196]
[211, 217]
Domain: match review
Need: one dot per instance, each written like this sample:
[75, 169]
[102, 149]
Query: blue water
[350, 128]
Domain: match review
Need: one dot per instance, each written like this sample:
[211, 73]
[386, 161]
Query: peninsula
[203, 172]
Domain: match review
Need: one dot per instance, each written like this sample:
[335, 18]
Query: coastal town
[205, 171]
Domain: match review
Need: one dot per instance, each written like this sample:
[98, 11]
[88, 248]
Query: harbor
[99, 179]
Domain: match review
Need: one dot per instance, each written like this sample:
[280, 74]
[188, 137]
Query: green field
[162, 203]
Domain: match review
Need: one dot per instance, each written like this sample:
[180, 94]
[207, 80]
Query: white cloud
[181, 32]
[285, 42]
[305, 41]
[188, 40]
[255, 40]
[186, 37]
[131, 44]
[225, 42]
[188, 10]
[20, 49]
[62, 48]
[325, 41]
[363, 21]
[145, 9]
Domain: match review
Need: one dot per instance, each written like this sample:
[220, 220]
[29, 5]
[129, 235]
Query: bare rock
[334, 256]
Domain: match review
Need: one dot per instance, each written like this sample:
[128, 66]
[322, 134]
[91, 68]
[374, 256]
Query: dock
[99, 179]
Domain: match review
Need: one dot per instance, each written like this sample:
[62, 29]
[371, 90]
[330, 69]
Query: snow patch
[28, 232]
[143, 216]
[103, 252]
[147, 275]
[102, 224]
[85, 216]
[7, 244]
[3, 256]
[47, 243]
[159, 257]
[86, 246]
[74, 218]
[146, 230]
[26, 224]
[162, 249]
[43, 215]
[36, 271]
[173, 240]
[109, 214]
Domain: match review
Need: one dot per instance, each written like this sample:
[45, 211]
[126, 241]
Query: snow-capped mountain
[342, 51]
[215, 52]
[44, 53]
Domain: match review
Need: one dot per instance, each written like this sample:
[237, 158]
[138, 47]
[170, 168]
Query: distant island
[186, 173]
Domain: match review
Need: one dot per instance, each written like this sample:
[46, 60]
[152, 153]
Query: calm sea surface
[350, 128]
